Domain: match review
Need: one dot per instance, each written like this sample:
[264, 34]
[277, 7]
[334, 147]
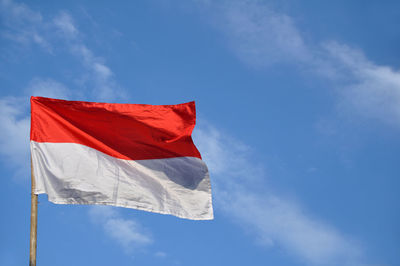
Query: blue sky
[298, 120]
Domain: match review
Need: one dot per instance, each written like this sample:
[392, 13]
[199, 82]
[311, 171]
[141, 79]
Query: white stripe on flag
[76, 174]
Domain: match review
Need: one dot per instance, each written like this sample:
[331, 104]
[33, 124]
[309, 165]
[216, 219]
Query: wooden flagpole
[34, 205]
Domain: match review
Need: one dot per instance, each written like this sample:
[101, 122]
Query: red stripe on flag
[124, 131]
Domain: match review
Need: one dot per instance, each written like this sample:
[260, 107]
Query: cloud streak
[14, 136]
[273, 220]
[26, 26]
[100, 76]
[373, 90]
[261, 37]
[127, 232]
[22, 24]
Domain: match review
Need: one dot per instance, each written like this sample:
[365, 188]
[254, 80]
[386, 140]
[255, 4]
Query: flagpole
[34, 204]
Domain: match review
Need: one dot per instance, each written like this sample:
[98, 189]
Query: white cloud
[127, 232]
[281, 222]
[105, 87]
[65, 24]
[99, 77]
[160, 254]
[14, 133]
[274, 221]
[15, 121]
[372, 90]
[22, 25]
[48, 88]
[220, 159]
[103, 71]
[261, 36]
[26, 26]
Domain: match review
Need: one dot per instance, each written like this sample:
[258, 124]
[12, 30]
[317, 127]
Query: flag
[128, 155]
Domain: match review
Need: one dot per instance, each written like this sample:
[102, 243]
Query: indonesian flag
[128, 155]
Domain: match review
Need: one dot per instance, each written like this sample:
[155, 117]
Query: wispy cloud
[261, 36]
[280, 222]
[14, 133]
[127, 232]
[48, 88]
[22, 24]
[160, 254]
[27, 26]
[100, 77]
[274, 220]
[15, 121]
[64, 23]
[372, 90]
